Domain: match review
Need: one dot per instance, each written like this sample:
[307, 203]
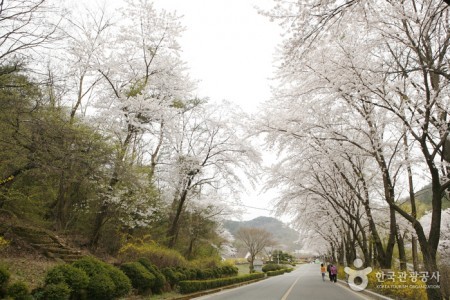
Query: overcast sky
[230, 48]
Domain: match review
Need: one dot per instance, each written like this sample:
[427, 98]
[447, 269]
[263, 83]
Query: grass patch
[31, 271]
[243, 269]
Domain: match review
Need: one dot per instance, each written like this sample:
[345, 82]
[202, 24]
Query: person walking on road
[329, 271]
[333, 271]
[323, 270]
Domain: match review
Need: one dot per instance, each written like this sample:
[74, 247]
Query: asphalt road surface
[305, 283]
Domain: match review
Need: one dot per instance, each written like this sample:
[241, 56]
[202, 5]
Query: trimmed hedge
[121, 281]
[173, 276]
[19, 291]
[115, 283]
[177, 274]
[76, 279]
[101, 287]
[160, 280]
[141, 278]
[191, 286]
[59, 291]
[4, 278]
[275, 273]
[86, 278]
[272, 267]
[289, 270]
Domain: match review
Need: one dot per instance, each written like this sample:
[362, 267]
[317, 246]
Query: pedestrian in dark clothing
[329, 272]
[333, 271]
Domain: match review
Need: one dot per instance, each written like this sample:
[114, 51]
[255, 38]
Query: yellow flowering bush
[159, 255]
[3, 243]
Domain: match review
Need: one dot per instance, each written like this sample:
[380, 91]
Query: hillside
[423, 201]
[284, 235]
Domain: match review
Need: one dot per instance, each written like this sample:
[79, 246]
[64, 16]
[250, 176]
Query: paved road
[305, 283]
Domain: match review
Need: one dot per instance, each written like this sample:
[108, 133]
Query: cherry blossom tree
[386, 62]
[209, 151]
[143, 77]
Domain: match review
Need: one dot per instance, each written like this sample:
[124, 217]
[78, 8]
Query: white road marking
[289, 290]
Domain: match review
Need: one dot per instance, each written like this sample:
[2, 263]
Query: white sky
[230, 48]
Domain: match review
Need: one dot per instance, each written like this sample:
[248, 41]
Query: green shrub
[18, 291]
[140, 277]
[116, 283]
[275, 273]
[188, 273]
[170, 275]
[4, 276]
[38, 293]
[121, 281]
[204, 274]
[272, 267]
[76, 279]
[59, 291]
[101, 287]
[210, 273]
[160, 280]
[191, 286]
[90, 265]
[229, 270]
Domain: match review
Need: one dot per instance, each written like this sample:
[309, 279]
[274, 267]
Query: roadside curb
[213, 291]
[373, 295]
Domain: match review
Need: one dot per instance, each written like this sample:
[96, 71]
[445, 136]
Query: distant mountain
[283, 234]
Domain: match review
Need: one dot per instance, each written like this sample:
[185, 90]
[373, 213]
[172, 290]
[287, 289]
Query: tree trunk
[391, 241]
[251, 267]
[104, 210]
[333, 252]
[190, 248]
[415, 257]
[60, 203]
[103, 213]
[401, 250]
[172, 233]
[429, 261]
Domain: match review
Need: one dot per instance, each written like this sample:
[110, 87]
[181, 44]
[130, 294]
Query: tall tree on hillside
[38, 146]
[143, 78]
